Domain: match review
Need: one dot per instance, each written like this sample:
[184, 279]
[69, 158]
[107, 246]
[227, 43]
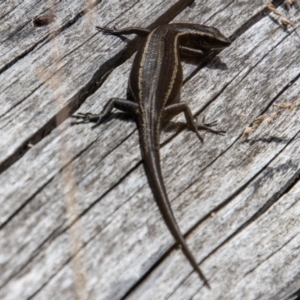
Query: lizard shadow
[269, 140]
[167, 127]
[209, 59]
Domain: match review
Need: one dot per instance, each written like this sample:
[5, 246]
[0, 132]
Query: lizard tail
[150, 153]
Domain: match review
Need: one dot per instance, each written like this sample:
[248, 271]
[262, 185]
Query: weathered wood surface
[77, 217]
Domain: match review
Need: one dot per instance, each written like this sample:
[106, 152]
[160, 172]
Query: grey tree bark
[77, 218]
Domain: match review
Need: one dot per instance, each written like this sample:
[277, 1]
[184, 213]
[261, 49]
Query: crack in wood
[24, 204]
[276, 197]
[294, 296]
[11, 10]
[100, 76]
[96, 81]
[271, 255]
[46, 39]
[59, 231]
[283, 90]
[170, 249]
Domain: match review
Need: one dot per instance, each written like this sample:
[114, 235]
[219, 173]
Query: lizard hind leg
[177, 108]
[122, 104]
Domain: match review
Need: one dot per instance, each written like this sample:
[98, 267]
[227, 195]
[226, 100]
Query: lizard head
[213, 39]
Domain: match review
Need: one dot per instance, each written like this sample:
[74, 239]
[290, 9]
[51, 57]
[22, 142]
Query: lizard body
[153, 97]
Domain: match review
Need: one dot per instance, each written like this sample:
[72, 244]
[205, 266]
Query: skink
[153, 97]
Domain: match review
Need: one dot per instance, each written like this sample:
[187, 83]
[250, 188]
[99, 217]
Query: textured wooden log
[78, 219]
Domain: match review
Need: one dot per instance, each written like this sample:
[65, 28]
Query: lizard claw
[87, 118]
[207, 127]
[210, 124]
[106, 30]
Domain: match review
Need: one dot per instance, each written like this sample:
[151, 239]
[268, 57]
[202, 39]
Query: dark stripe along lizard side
[153, 97]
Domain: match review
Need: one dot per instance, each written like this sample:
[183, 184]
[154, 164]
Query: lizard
[153, 91]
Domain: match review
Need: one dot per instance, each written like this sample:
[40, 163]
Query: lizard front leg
[122, 104]
[177, 108]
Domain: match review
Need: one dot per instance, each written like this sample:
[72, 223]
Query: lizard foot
[107, 30]
[87, 118]
[207, 126]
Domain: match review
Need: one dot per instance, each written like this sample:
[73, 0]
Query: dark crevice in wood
[260, 15]
[95, 166]
[50, 278]
[63, 229]
[276, 197]
[219, 93]
[267, 205]
[11, 10]
[143, 277]
[293, 183]
[17, 104]
[294, 296]
[252, 21]
[286, 87]
[218, 11]
[46, 39]
[269, 256]
[22, 149]
[16, 59]
[62, 115]
[24, 204]
[34, 254]
[90, 88]
[59, 171]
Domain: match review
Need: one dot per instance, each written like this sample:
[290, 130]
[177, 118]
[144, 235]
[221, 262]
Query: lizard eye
[209, 39]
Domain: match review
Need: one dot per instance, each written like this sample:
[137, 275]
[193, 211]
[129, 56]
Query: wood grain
[78, 219]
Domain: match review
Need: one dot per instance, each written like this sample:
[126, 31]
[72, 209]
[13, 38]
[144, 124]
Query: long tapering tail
[149, 142]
